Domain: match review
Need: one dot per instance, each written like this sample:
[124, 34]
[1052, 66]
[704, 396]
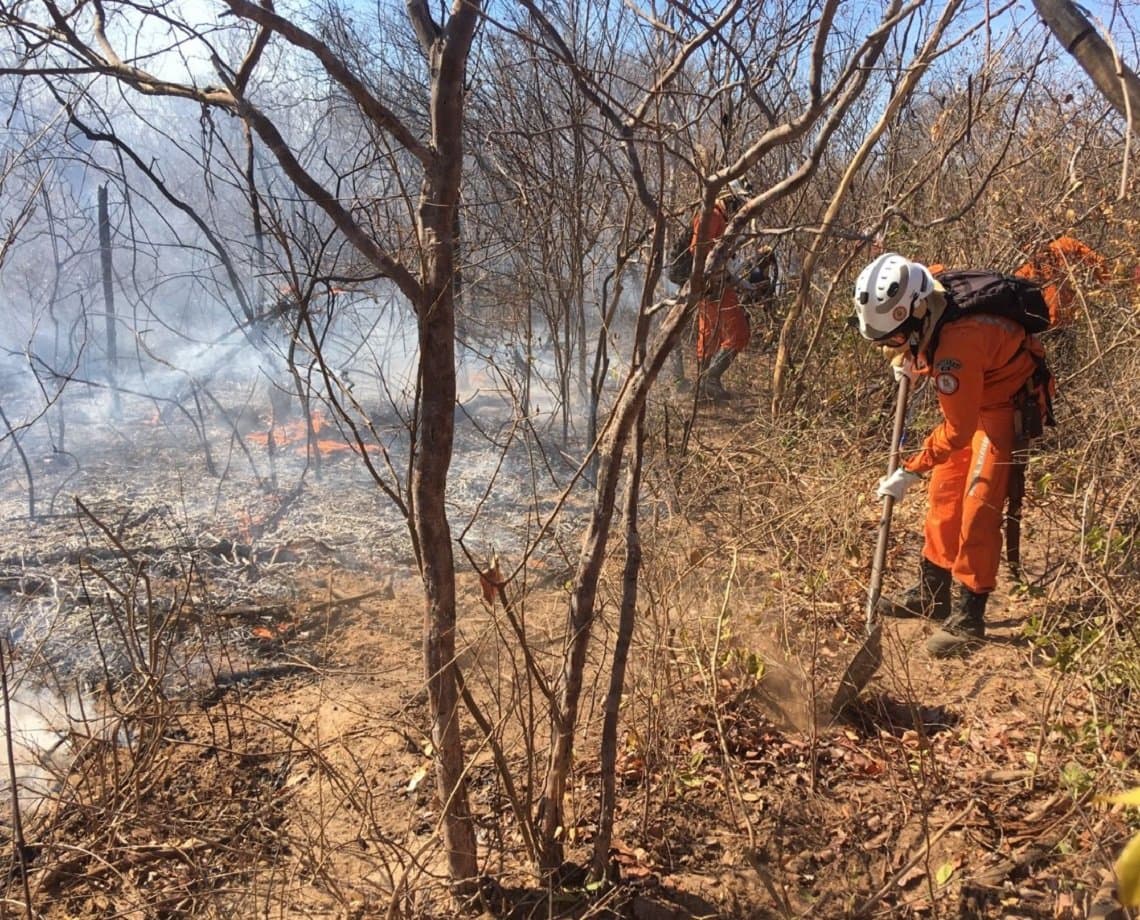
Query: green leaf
[942, 876]
[1128, 873]
[1128, 797]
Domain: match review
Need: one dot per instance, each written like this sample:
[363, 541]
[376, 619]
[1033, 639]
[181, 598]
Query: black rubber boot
[930, 598]
[711, 386]
[964, 628]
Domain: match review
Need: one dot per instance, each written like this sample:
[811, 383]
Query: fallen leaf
[943, 873]
[490, 580]
[915, 872]
[418, 777]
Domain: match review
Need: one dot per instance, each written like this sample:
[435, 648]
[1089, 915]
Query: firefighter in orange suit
[1053, 266]
[722, 323]
[977, 364]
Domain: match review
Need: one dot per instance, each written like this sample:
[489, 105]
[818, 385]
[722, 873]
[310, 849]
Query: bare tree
[82, 39]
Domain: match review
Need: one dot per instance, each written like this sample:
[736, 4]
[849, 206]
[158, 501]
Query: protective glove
[904, 367]
[896, 484]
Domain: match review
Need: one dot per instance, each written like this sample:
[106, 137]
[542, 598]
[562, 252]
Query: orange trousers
[721, 323]
[963, 531]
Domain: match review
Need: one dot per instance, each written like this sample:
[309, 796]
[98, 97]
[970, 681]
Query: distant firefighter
[1057, 266]
[722, 324]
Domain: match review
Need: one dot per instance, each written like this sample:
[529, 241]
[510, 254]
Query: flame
[333, 447]
[294, 435]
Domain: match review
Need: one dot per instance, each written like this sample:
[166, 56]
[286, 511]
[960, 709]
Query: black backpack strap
[1032, 410]
[1016, 496]
[1045, 386]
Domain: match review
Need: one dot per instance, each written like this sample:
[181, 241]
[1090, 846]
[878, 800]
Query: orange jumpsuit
[721, 320]
[1052, 267]
[979, 364]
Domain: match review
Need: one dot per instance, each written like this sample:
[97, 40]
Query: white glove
[904, 368]
[895, 485]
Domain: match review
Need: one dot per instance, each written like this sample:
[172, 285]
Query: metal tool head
[862, 668]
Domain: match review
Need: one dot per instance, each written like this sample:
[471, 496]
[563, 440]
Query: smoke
[38, 730]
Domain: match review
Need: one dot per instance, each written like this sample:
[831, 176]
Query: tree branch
[334, 65]
[1080, 39]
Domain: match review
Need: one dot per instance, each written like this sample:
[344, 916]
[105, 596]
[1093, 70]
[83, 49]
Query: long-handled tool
[870, 655]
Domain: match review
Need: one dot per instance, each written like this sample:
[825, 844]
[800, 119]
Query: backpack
[679, 265]
[974, 290]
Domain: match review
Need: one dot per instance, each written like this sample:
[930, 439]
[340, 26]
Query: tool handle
[879, 562]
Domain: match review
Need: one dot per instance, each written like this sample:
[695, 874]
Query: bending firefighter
[722, 324]
[980, 364]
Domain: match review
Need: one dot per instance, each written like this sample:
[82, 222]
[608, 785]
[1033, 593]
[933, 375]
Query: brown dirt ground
[941, 795]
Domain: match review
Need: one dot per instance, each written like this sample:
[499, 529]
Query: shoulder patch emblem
[947, 384]
[948, 364]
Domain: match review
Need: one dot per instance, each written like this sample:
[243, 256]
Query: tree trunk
[901, 95]
[446, 49]
[626, 620]
[611, 447]
[582, 603]
[1119, 84]
[435, 428]
[109, 301]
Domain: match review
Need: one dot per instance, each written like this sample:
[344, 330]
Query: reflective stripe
[979, 463]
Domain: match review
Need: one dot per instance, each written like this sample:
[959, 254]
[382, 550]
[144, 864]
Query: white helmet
[886, 293]
[739, 190]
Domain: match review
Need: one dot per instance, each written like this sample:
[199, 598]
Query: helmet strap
[912, 328]
[934, 308]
